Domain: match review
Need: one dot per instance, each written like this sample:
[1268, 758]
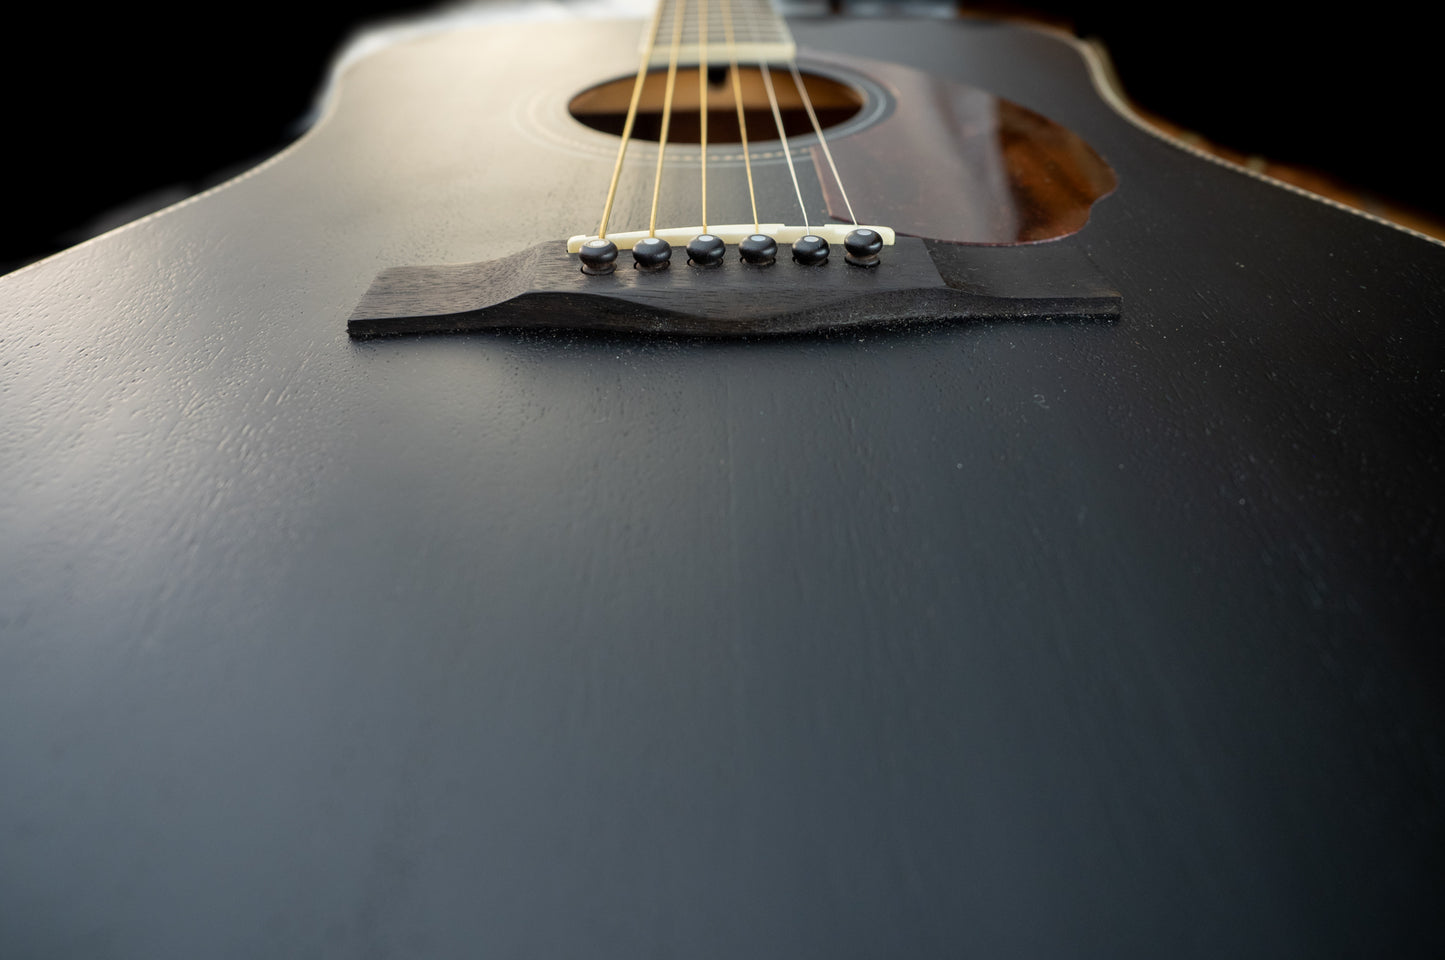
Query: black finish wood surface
[1031, 639]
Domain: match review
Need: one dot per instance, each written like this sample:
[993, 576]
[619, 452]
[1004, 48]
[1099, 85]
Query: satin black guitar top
[524, 519]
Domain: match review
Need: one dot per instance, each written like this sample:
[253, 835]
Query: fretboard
[760, 35]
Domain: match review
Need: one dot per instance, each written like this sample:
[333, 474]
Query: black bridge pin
[862, 246]
[758, 249]
[706, 250]
[810, 251]
[598, 257]
[652, 253]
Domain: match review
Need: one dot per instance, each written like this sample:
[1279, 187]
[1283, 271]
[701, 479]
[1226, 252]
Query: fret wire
[631, 118]
[666, 111]
[783, 136]
[822, 141]
[738, 102]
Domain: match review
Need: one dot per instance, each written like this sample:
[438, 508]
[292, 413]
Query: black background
[119, 110]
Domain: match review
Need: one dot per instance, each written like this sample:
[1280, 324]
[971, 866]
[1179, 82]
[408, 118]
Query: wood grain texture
[543, 288]
[1009, 639]
[978, 168]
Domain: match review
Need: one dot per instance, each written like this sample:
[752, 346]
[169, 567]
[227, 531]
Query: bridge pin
[652, 253]
[862, 246]
[758, 249]
[706, 250]
[810, 250]
[598, 257]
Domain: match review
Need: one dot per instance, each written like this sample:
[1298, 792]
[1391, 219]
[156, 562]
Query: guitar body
[1035, 637]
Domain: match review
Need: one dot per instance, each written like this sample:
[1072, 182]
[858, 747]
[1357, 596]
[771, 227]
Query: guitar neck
[747, 31]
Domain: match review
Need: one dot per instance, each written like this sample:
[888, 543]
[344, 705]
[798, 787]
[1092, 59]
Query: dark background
[117, 112]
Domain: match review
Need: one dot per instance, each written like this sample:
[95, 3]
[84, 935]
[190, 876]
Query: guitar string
[738, 102]
[783, 136]
[704, 17]
[678, 14]
[822, 140]
[702, 99]
[631, 116]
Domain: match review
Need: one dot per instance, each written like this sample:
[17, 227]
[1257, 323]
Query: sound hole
[604, 107]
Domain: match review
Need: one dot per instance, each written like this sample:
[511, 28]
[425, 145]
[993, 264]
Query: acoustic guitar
[991, 528]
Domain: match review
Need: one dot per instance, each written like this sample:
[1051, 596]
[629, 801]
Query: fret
[761, 35]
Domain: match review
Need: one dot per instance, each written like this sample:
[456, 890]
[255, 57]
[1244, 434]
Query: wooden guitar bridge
[916, 281]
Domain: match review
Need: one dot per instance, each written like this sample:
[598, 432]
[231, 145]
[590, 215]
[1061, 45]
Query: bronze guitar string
[666, 110]
[702, 100]
[679, 14]
[631, 118]
[738, 102]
